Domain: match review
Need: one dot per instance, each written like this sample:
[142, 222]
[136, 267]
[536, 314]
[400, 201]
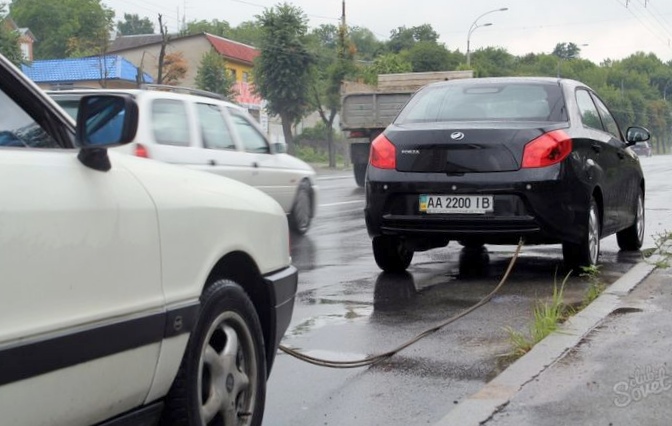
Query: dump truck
[367, 110]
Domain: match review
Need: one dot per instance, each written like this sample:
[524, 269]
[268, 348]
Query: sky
[605, 29]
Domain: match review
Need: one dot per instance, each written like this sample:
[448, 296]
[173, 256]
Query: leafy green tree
[332, 69]
[493, 62]
[133, 25]
[403, 38]
[248, 32]
[367, 46]
[283, 68]
[56, 23]
[9, 40]
[214, 27]
[427, 56]
[566, 51]
[213, 76]
[389, 63]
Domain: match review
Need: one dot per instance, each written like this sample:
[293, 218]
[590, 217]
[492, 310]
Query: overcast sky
[609, 29]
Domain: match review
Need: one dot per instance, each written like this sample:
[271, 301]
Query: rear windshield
[479, 101]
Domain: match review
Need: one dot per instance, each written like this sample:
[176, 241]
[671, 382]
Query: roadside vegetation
[548, 315]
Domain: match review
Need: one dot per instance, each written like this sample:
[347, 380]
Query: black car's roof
[499, 80]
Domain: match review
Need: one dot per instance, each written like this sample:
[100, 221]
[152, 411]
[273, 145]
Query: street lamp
[475, 25]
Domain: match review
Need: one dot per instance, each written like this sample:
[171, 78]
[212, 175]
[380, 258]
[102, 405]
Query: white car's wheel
[302, 211]
[222, 379]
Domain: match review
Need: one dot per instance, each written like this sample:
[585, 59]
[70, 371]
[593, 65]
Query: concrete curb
[496, 394]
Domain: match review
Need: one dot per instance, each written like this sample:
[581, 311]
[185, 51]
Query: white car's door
[269, 173]
[81, 304]
[218, 150]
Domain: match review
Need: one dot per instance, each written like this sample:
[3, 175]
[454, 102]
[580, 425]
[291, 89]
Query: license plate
[462, 204]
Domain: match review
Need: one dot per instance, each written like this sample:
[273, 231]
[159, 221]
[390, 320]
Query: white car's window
[214, 130]
[588, 110]
[607, 119]
[252, 140]
[170, 122]
[18, 129]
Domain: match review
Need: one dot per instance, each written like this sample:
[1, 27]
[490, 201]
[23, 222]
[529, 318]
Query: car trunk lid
[464, 147]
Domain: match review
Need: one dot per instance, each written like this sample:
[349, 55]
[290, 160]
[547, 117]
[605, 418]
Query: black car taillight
[383, 153]
[546, 150]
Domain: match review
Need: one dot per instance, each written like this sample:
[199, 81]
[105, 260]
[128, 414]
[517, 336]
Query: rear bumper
[543, 205]
[284, 284]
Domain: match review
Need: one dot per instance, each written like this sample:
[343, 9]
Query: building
[110, 71]
[144, 50]
[26, 38]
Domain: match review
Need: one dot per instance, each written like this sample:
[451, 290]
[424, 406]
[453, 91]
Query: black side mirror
[636, 134]
[104, 121]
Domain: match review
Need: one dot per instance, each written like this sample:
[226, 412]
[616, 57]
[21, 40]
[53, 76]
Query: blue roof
[82, 69]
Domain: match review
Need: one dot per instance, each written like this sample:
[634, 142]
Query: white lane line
[332, 177]
[342, 203]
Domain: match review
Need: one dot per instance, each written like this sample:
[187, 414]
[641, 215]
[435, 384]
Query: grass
[547, 315]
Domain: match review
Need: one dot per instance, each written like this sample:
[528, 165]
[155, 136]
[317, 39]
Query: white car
[213, 135]
[131, 291]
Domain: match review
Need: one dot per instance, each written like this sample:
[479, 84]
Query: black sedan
[488, 161]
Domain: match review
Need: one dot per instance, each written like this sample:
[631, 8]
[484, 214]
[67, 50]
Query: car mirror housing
[636, 134]
[106, 120]
[280, 148]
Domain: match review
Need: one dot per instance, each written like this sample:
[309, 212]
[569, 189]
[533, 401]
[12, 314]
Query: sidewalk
[611, 364]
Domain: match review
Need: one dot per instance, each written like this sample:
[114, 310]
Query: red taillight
[357, 134]
[141, 151]
[383, 153]
[546, 150]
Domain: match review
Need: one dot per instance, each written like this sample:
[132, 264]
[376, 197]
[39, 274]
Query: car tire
[302, 210]
[391, 254]
[587, 252]
[360, 174]
[632, 238]
[226, 348]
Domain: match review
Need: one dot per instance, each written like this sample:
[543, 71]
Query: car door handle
[621, 155]
[212, 162]
[597, 148]
[255, 165]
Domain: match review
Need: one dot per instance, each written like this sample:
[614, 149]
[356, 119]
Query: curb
[481, 406]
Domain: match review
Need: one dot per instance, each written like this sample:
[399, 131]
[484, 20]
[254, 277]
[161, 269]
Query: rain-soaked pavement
[346, 309]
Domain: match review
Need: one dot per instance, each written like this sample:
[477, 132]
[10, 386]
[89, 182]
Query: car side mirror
[636, 134]
[104, 121]
[280, 148]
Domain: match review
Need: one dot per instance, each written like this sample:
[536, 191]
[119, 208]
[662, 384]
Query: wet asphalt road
[346, 309]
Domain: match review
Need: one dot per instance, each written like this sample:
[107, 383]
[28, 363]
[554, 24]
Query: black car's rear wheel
[391, 253]
[474, 243]
[632, 238]
[586, 252]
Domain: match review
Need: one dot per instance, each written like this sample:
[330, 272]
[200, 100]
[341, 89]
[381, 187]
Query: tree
[214, 27]
[389, 63]
[175, 67]
[404, 38]
[56, 23]
[566, 51]
[366, 44]
[212, 75]
[133, 25]
[248, 32]
[427, 56]
[9, 40]
[329, 75]
[283, 68]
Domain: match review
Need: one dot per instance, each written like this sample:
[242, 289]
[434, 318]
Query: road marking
[341, 203]
[333, 177]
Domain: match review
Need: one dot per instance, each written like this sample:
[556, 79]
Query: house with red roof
[143, 51]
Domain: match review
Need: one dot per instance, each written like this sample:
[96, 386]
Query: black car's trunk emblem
[457, 136]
